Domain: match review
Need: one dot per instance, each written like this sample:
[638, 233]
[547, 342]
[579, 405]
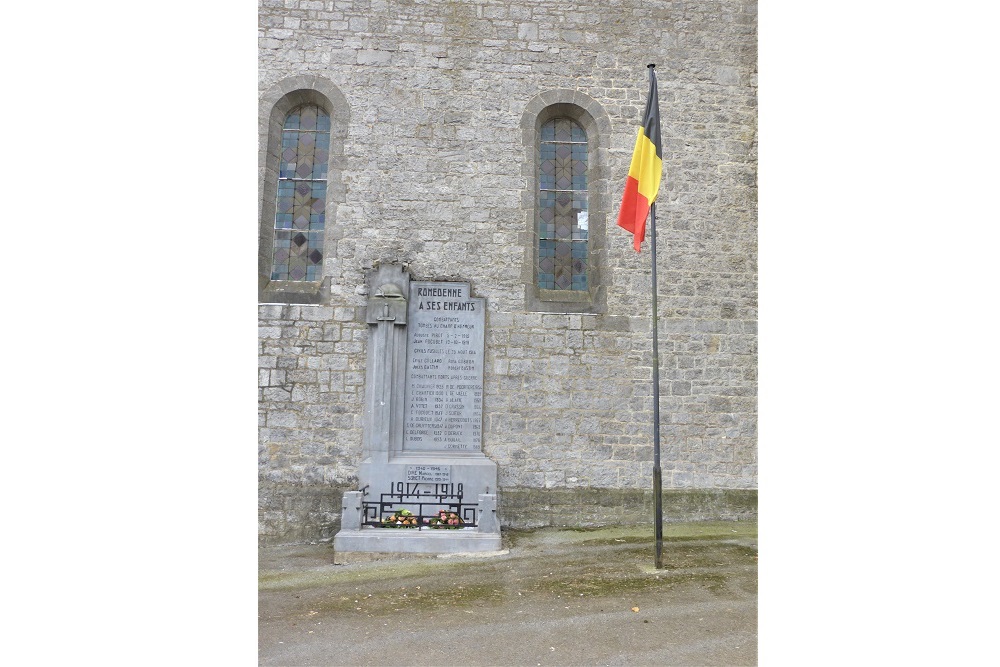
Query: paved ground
[553, 597]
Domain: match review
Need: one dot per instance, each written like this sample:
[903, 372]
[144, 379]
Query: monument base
[362, 521]
[473, 471]
[412, 541]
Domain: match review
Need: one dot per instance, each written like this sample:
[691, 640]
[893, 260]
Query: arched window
[566, 137]
[300, 205]
[303, 127]
[563, 225]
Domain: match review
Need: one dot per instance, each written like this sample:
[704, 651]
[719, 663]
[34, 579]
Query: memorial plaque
[428, 474]
[442, 408]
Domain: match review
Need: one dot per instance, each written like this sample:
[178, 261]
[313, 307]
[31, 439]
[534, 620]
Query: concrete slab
[412, 541]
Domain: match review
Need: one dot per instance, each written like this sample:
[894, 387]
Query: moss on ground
[546, 564]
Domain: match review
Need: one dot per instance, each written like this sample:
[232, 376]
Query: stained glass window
[562, 206]
[300, 209]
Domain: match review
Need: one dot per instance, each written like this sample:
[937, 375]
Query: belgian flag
[645, 171]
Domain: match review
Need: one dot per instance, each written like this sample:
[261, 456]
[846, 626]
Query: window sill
[566, 296]
[293, 291]
[563, 301]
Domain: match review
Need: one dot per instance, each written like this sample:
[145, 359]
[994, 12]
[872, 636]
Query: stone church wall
[436, 172]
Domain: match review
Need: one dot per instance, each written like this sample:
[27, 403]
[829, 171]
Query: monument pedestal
[388, 540]
[423, 425]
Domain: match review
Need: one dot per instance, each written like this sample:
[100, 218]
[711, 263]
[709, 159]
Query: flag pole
[657, 478]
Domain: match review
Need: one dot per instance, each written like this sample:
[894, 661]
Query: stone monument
[425, 485]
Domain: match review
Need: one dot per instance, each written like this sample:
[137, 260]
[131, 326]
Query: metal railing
[425, 500]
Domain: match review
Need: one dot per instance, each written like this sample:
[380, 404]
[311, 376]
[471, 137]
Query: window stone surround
[590, 115]
[275, 104]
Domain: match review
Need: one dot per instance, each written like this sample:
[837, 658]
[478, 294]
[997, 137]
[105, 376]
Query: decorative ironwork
[423, 499]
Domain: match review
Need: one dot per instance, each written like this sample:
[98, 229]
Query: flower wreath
[400, 519]
[445, 519]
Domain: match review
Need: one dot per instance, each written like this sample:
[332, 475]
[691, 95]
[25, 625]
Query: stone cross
[387, 357]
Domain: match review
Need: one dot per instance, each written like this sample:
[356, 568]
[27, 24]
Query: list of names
[443, 405]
